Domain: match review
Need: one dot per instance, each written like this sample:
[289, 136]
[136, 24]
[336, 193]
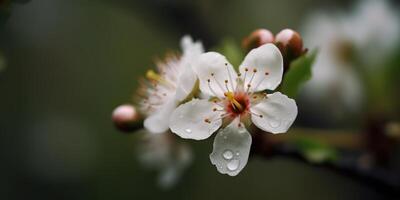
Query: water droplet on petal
[227, 154]
[242, 131]
[237, 153]
[188, 130]
[274, 123]
[233, 165]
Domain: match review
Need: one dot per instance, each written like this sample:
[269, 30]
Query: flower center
[237, 103]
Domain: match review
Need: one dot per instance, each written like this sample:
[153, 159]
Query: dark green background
[70, 63]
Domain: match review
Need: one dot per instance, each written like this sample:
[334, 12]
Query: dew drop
[188, 130]
[233, 165]
[237, 153]
[227, 154]
[275, 123]
[241, 131]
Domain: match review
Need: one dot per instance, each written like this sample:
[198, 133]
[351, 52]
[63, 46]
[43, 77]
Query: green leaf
[231, 50]
[299, 72]
[316, 152]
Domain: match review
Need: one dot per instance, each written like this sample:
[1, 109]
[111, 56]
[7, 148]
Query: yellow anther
[150, 74]
[232, 99]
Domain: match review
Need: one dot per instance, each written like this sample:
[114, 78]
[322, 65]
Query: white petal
[188, 120]
[231, 149]
[186, 82]
[214, 67]
[191, 48]
[278, 113]
[186, 77]
[158, 122]
[265, 59]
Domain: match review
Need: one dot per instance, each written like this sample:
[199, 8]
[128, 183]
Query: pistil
[232, 99]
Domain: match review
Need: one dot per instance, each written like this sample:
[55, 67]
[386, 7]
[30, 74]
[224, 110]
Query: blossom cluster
[200, 93]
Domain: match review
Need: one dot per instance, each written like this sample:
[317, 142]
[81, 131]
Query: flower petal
[188, 120]
[265, 63]
[157, 123]
[213, 70]
[231, 149]
[191, 48]
[277, 111]
[186, 82]
[186, 77]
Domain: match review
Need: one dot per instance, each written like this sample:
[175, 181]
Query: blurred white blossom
[173, 83]
[238, 99]
[375, 25]
[345, 41]
[162, 152]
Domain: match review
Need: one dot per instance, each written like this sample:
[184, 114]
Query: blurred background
[66, 64]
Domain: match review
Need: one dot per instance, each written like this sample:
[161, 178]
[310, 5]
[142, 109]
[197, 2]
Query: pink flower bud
[289, 42]
[257, 38]
[126, 118]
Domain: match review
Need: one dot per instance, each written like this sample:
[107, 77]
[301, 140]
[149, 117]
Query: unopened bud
[257, 38]
[290, 44]
[126, 118]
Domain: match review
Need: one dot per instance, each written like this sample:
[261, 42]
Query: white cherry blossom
[236, 98]
[371, 32]
[172, 83]
[165, 154]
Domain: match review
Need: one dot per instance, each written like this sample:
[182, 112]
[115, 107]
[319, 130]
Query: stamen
[222, 116]
[219, 85]
[217, 110]
[251, 80]
[232, 99]
[156, 77]
[209, 87]
[155, 94]
[245, 74]
[226, 85]
[257, 115]
[217, 103]
[230, 76]
[262, 80]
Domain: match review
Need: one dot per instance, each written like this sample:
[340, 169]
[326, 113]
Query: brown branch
[353, 146]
